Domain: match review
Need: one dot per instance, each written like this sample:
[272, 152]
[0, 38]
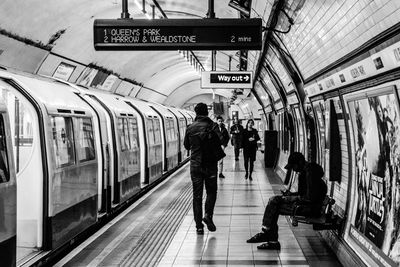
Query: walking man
[224, 137]
[236, 132]
[202, 140]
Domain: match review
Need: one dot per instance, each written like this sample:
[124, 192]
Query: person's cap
[294, 158]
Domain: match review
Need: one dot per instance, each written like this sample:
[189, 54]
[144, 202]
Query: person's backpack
[211, 146]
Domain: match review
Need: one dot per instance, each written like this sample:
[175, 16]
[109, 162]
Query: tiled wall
[325, 31]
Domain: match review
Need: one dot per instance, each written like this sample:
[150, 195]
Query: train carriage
[55, 140]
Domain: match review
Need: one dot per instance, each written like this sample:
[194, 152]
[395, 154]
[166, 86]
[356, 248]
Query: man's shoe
[250, 178]
[210, 224]
[246, 175]
[221, 175]
[236, 159]
[260, 237]
[200, 231]
[270, 245]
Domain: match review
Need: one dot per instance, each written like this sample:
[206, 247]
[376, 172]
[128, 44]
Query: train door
[8, 193]
[163, 129]
[99, 126]
[106, 184]
[28, 149]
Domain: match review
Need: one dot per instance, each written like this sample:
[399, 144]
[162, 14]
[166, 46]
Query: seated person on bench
[311, 193]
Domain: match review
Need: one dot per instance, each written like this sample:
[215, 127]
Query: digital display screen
[175, 34]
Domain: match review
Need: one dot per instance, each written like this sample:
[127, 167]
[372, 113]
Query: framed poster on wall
[319, 110]
[373, 229]
[300, 129]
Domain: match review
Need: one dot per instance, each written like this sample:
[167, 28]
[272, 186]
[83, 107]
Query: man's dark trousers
[277, 205]
[202, 176]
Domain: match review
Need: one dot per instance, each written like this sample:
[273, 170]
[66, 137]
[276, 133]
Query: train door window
[183, 127]
[126, 134]
[63, 141]
[171, 129]
[85, 139]
[123, 133]
[21, 116]
[150, 131]
[4, 173]
[157, 132]
[133, 133]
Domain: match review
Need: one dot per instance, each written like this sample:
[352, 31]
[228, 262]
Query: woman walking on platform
[249, 142]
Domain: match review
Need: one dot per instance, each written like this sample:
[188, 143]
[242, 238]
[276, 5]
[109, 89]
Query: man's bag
[211, 146]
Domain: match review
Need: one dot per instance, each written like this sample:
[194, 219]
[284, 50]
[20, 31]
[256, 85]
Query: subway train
[71, 155]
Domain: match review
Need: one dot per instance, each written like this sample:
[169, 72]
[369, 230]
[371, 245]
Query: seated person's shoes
[200, 231]
[221, 175]
[257, 238]
[270, 245]
[210, 224]
[262, 237]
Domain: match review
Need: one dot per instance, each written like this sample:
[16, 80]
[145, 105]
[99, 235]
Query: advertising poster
[376, 219]
[319, 109]
[300, 129]
[87, 77]
[64, 71]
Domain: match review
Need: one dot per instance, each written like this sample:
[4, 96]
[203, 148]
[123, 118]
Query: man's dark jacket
[223, 135]
[201, 155]
[311, 188]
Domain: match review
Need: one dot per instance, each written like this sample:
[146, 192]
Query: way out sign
[227, 79]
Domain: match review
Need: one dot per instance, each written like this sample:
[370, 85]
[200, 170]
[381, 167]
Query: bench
[326, 221]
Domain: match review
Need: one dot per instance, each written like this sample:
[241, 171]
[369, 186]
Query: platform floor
[158, 230]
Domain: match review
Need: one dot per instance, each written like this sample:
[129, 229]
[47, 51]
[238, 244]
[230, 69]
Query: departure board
[177, 34]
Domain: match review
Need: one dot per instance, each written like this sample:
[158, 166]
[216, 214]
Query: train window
[183, 128]
[124, 133]
[133, 130]
[4, 173]
[150, 131]
[169, 129]
[157, 132]
[63, 141]
[173, 133]
[85, 140]
[22, 121]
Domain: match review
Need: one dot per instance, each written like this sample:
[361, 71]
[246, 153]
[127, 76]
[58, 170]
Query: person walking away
[224, 138]
[249, 142]
[236, 132]
[311, 194]
[204, 144]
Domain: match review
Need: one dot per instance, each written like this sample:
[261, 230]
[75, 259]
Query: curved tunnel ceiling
[66, 26]
[70, 24]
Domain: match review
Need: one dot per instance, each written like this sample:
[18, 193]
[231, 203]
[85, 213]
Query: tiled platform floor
[129, 240]
[238, 213]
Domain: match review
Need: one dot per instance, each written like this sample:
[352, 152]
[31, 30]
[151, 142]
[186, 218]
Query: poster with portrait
[375, 219]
